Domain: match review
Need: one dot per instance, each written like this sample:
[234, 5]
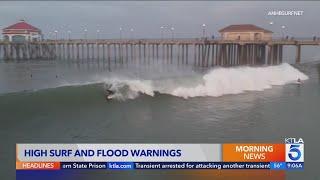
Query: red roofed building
[245, 32]
[21, 32]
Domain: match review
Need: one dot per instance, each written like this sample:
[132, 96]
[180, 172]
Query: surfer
[108, 94]
[299, 82]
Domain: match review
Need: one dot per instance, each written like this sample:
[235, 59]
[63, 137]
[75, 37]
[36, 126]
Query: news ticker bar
[274, 156]
[159, 165]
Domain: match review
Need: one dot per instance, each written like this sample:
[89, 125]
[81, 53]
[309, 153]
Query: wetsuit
[108, 93]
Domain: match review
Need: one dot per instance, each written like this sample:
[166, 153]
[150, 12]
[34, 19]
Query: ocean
[64, 102]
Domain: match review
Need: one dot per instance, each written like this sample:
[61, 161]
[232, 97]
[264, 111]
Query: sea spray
[217, 82]
[222, 81]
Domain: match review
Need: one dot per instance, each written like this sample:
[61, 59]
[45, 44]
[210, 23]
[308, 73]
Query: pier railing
[203, 51]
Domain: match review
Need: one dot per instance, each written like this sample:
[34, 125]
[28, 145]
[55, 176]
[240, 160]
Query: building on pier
[245, 32]
[21, 32]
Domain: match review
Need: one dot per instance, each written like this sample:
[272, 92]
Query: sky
[146, 18]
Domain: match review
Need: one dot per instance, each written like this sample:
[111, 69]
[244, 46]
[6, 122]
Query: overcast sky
[146, 18]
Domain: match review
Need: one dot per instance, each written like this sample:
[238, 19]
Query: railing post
[298, 54]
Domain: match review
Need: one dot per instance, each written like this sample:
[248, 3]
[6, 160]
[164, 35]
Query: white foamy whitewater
[217, 82]
[128, 89]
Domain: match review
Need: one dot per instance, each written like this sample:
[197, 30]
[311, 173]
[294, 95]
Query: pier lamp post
[49, 35]
[85, 33]
[282, 30]
[98, 31]
[56, 32]
[172, 33]
[271, 23]
[131, 31]
[203, 31]
[161, 28]
[120, 31]
[69, 34]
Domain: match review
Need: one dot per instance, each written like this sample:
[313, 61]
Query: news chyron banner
[57, 157]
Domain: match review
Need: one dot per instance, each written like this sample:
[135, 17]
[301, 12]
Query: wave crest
[129, 89]
[217, 82]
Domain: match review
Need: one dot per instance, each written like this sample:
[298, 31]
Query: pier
[199, 52]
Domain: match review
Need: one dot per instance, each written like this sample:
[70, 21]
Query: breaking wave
[217, 82]
[129, 89]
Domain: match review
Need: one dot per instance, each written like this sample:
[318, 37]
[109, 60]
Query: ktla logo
[294, 150]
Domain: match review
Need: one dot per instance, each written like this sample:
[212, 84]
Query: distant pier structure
[21, 32]
[238, 46]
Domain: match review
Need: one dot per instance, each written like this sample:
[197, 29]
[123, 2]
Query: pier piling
[205, 53]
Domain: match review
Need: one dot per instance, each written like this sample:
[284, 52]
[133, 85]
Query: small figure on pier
[31, 75]
[56, 76]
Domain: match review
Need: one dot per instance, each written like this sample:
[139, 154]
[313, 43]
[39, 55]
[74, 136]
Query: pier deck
[204, 52]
